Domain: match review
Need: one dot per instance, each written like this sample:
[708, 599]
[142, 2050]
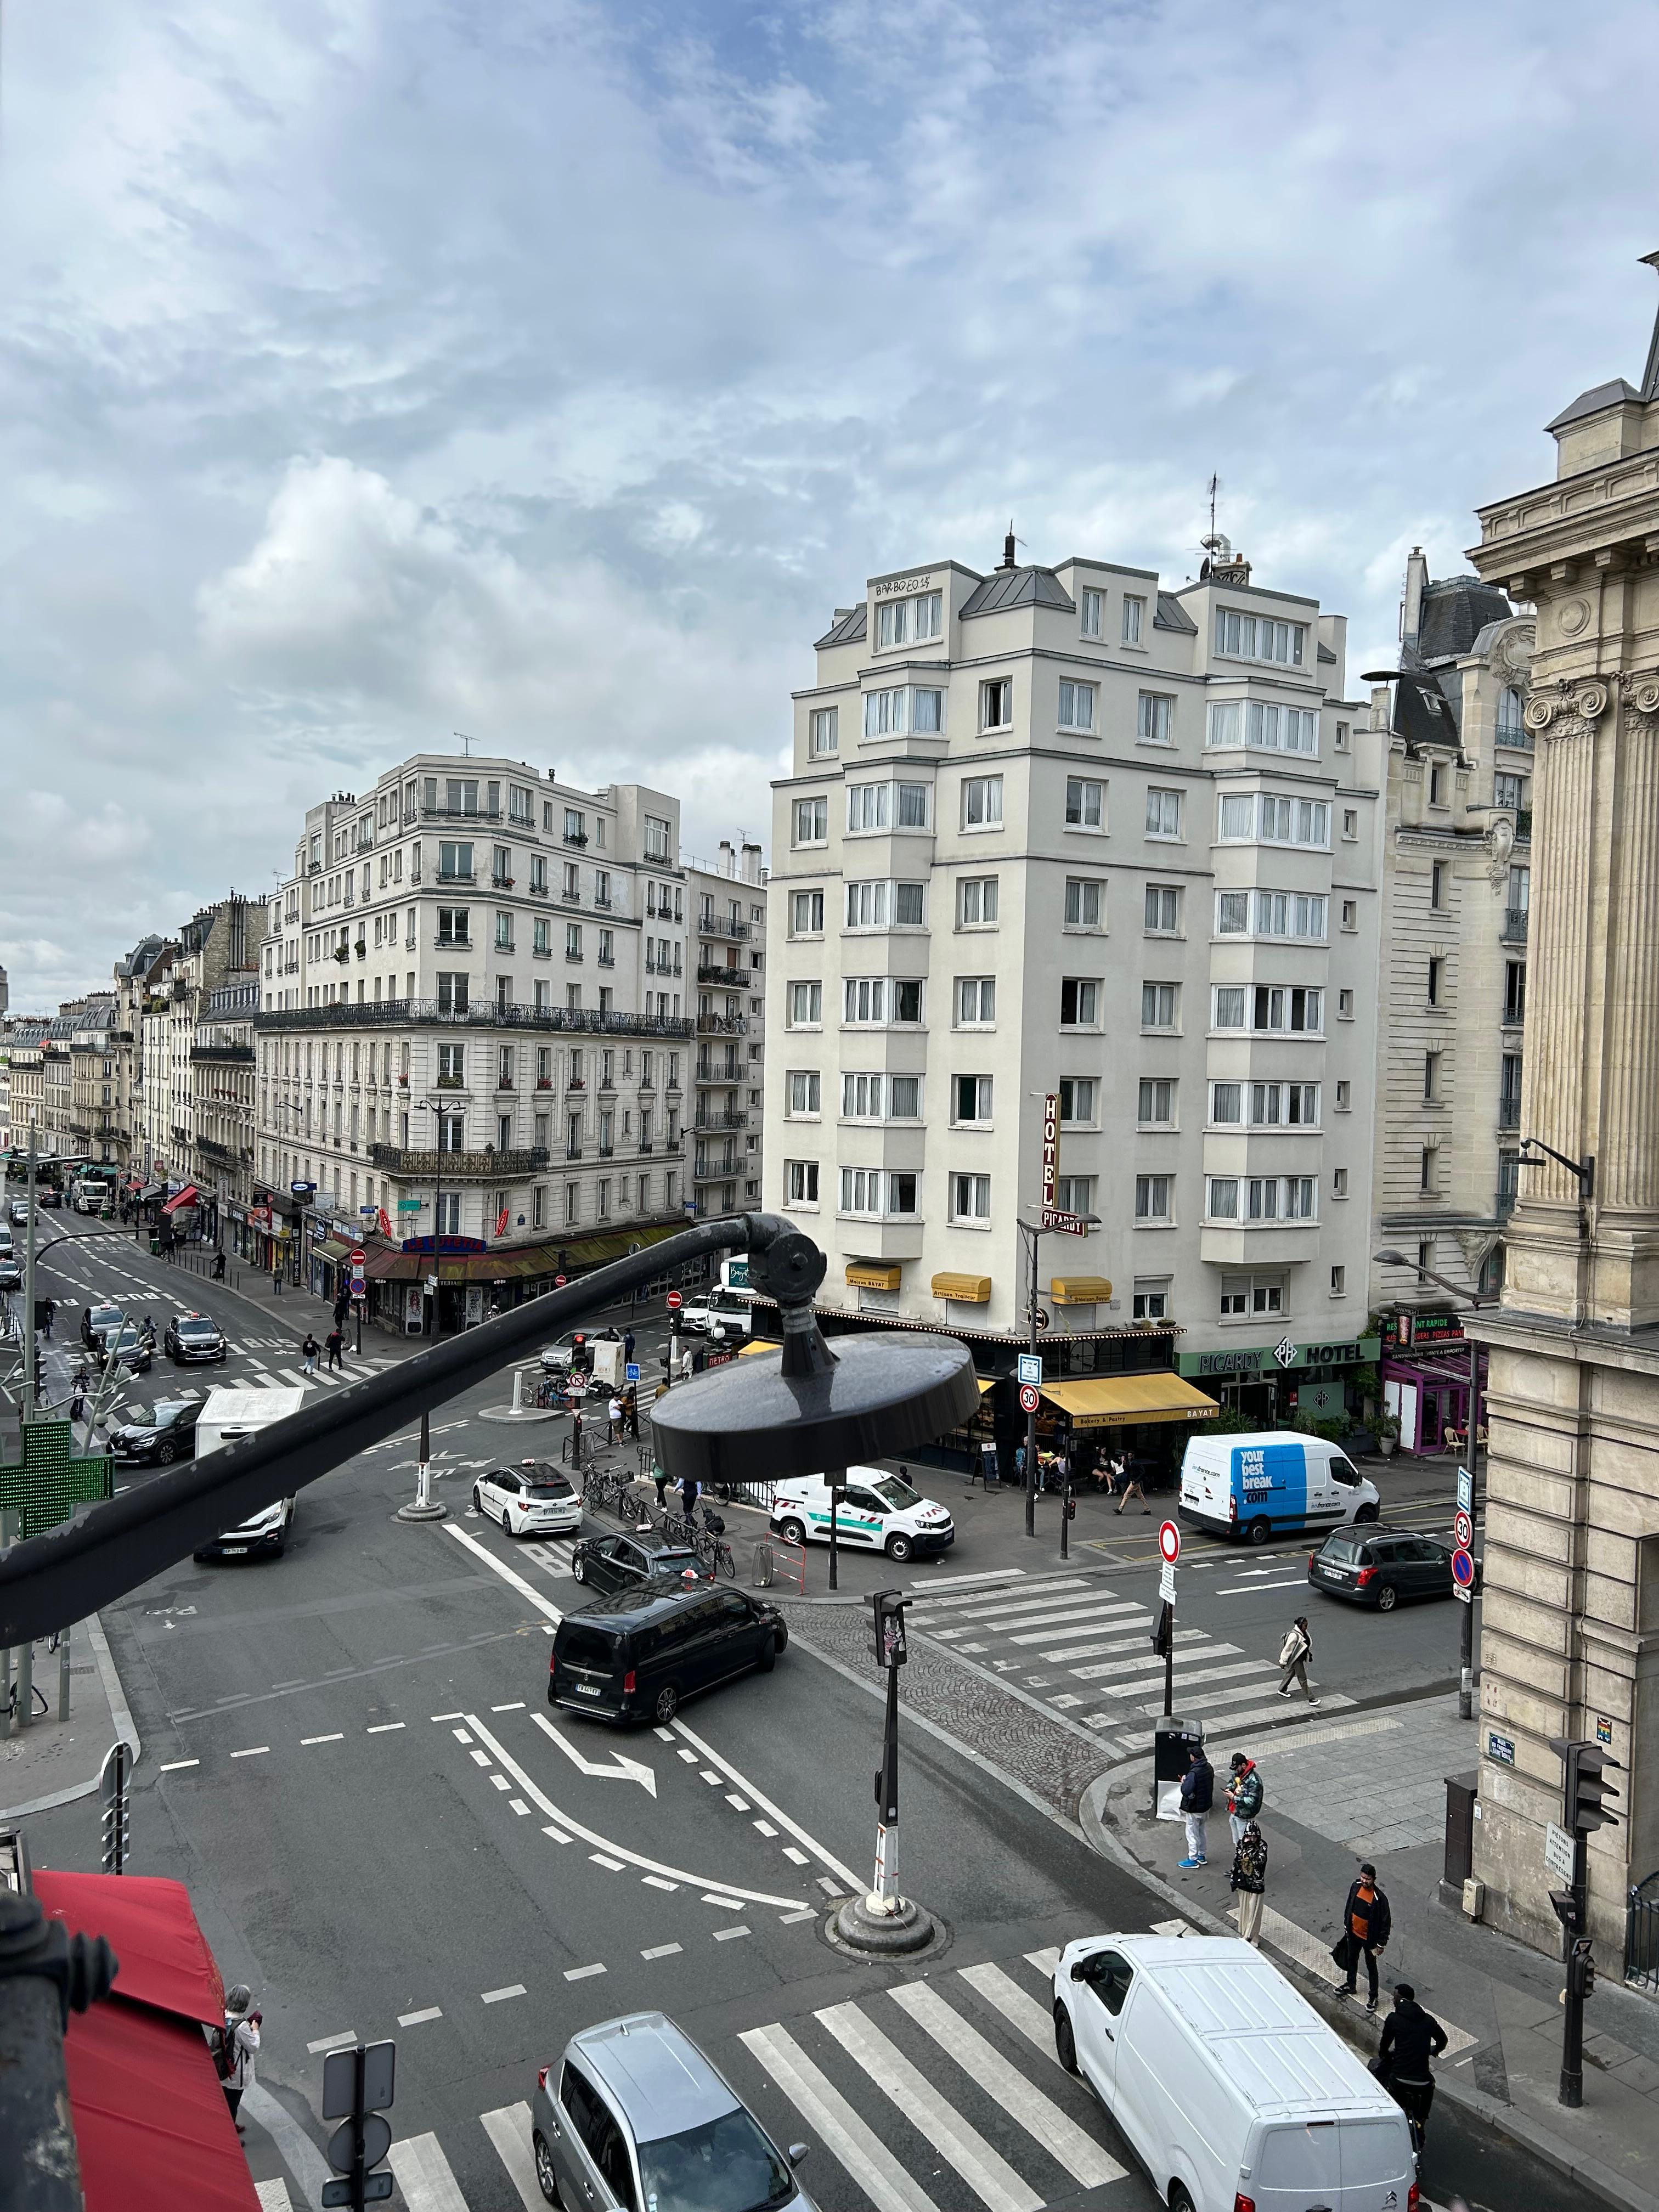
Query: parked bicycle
[714, 1552]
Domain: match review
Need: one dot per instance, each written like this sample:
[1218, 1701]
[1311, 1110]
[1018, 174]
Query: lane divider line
[758, 1797]
[500, 1567]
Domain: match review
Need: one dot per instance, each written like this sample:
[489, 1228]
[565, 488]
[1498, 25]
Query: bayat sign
[1260, 1358]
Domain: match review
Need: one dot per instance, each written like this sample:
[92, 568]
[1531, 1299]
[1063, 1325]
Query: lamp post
[1466, 1626]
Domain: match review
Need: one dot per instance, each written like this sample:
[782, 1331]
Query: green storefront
[1269, 1385]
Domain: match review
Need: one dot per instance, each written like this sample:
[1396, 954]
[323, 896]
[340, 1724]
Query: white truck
[719, 1309]
[227, 1415]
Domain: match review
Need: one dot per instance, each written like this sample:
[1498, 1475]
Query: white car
[722, 1308]
[557, 1357]
[878, 1513]
[532, 1500]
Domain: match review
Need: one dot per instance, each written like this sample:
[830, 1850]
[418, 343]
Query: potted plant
[1388, 1434]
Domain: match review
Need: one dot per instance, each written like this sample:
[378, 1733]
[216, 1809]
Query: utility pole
[1585, 1796]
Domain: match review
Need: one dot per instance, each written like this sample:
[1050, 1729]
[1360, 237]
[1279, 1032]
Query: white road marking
[789, 1919]
[414, 2019]
[557, 1834]
[1244, 1589]
[339, 1738]
[662, 1951]
[760, 1798]
[253, 1750]
[656, 1882]
[332, 2042]
[424, 2176]
[827, 2112]
[610, 1865]
[479, 1757]
[508, 2129]
[764, 1828]
[386, 1728]
[518, 1708]
[273, 2196]
[718, 1897]
[604, 1843]
[501, 1782]
[738, 1804]
[622, 1768]
[1022, 2012]
[795, 1858]
[175, 1765]
[726, 1935]
[517, 1805]
[581, 1973]
[500, 1996]
[446, 1717]
[1073, 1621]
[500, 1567]
[1045, 1961]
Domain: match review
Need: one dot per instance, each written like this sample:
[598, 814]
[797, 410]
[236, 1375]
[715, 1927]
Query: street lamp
[1465, 1626]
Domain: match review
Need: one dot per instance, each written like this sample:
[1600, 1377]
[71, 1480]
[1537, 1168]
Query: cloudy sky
[378, 369]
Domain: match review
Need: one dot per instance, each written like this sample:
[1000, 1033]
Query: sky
[375, 370]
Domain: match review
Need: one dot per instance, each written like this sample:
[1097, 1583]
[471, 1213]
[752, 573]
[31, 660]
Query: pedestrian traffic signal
[1586, 1791]
[888, 1608]
[1580, 1969]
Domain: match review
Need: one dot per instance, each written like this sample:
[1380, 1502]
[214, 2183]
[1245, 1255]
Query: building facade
[217, 950]
[1570, 1634]
[726, 909]
[1060, 832]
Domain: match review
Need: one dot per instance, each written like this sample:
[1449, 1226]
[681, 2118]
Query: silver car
[635, 2116]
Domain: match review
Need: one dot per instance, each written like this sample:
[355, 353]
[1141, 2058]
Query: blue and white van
[1277, 1482]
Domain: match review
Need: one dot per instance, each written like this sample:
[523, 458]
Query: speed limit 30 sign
[1028, 1397]
[1463, 1529]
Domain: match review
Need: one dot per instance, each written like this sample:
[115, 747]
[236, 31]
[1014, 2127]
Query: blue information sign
[631, 1372]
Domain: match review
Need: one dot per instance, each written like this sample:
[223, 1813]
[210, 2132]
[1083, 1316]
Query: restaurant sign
[1270, 1358]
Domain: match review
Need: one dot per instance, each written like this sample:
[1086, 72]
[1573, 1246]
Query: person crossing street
[336, 1344]
[310, 1351]
[1412, 2040]
[1295, 1657]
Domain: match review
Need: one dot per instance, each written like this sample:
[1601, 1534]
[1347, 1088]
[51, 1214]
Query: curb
[120, 1713]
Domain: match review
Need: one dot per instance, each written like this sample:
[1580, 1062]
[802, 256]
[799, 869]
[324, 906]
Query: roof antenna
[1009, 561]
[465, 741]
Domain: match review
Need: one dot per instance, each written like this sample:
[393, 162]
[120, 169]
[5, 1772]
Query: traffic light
[888, 1608]
[1580, 1969]
[1586, 1791]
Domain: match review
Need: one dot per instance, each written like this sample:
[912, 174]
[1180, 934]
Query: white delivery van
[879, 1513]
[1277, 1482]
[1225, 2083]
[227, 1415]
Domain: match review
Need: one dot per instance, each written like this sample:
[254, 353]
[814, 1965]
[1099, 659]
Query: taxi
[532, 1500]
[879, 1512]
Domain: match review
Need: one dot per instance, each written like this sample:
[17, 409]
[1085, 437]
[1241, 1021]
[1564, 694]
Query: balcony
[452, 1083]
[606, 960]
[451, 944]
[713, 1170]
[1514, 1011]
[1514, 931]
[575, 957]
[501, 883]
[404, 1013]
[712, 1120]
[607, 1152]
[574, 837]
[1504, 1204]
[734, 932]
[457, 1167]
[734, 978]
[722, 1025]
[446, 878]
[461, 813]
[1515, 735]
[718, 1072]
[218, 1054]
[1509, 1113]
[503, 1082]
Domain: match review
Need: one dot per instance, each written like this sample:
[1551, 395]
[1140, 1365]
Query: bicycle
[714, 1552]
[11, 1700]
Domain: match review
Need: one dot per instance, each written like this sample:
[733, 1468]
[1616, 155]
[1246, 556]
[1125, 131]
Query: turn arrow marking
[625, 1770]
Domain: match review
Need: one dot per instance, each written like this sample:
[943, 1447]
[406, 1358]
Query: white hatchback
[532, 1500]
[878, 1513]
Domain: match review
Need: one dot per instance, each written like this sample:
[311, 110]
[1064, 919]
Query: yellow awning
[966, 1290]
[874, 1274]
[759, 1344]
[1123, 1401]
[986, 1382]
[1080, 1290]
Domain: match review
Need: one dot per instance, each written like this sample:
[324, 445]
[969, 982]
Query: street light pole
[1032, 1235]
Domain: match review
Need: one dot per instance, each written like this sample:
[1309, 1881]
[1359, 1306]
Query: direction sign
[1463, 1529]
[631, 1371]
[1169, 1541]
[1285, 1353]
[342, 2143]
[1030, 1367]
[1462, 1568]
[1029, 1396]
[675, 1302]
[1069, 1225]
[1559, 1854]
[1464, 1491]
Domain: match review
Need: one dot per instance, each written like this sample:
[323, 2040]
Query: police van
[1276, 1483]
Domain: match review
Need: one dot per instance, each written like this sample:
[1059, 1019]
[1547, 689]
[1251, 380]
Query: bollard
[64, 1675]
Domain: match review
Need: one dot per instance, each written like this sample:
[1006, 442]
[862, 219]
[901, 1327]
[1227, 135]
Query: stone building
[725, 910]
[1571, 1628]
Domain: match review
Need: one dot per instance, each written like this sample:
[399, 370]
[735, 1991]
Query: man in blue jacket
[1197, 1796]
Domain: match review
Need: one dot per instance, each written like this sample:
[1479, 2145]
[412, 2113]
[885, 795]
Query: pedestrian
[631, 1410]
[659, 1476]
[1367, 1923]
[1412, 2041]
[218, 1267]
[78, 1393]
[342, 1308]
[1197, 1796]
[1295, 1657]
[613, 1413]
[628, 1349]
[336, 1344]
[576, 1436]
[48, 1314]
[309, 1352]
[988, 1466]
[1129, 1485]
[242, 2025]
[1244, 1793]
[1247, 1880]
[688, 1489]
[1019, 1467]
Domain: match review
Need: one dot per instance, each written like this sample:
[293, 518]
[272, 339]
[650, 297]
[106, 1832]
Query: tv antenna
[466, 741]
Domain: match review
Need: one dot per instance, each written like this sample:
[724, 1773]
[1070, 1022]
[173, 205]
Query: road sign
[1465, 1491]
[1166, 1584]
[559, 1282]
[358, 1255]
[1029, 1396]
[1169, 1541]
[342, 2143]
[1462, 1568]
[1285, 1353]
[376, 2188]
[1559, 1854]
[1463, 1596]
[631, 1371]
[340, 2074]
[1030, 1367]
[1463, 1529]
[675, 1302]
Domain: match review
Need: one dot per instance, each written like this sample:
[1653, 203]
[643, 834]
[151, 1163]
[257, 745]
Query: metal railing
[733, 977]
[1504, 1204]
[396, 1013]
[1642, 1934]
[457, 1167]
[722, 1025]
[1514, 924]
[1509, 1113]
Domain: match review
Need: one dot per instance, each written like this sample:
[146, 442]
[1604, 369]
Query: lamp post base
[908, 1927]
[414, 1510]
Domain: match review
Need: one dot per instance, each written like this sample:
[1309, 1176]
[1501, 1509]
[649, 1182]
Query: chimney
[751, 862]
[727, 858]
[1009, 559]
[1411, 607]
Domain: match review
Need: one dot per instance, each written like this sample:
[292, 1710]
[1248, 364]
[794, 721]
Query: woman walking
[1129, 1486]
[1295, 1657]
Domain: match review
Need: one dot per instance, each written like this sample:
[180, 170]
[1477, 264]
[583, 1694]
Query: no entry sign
[1169, 1541]
[675, 1302]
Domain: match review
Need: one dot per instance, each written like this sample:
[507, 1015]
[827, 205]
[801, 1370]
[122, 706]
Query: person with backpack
[236, 2046]
[310, 1353]
[1244, 1795]
[336, 1344]
[1248, 1880]
[1295, 1657]
[1367, 1923]
[1412, 2041]
[1197, 1796]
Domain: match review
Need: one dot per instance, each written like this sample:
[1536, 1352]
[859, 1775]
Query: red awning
[151, 2122]
[188, 1196]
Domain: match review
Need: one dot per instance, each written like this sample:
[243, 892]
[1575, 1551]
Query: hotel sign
[1266, 1358]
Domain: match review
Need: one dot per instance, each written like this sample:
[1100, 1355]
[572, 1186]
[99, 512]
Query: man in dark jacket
[1412, 2038]
[1197, 1796]
[1367, 1923]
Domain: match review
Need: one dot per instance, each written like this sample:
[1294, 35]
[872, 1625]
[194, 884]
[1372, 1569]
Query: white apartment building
[725, 910]
[477, 1025]
[1059, 830]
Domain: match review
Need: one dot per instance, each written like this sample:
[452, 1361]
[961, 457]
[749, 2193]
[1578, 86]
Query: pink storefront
[1425, 1380]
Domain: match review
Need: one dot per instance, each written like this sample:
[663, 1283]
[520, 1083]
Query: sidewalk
[54, 1762]
[1371, 1785]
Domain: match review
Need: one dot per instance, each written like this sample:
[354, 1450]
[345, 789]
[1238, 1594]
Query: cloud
[549, 371]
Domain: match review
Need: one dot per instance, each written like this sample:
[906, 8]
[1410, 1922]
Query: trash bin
[155, 1248]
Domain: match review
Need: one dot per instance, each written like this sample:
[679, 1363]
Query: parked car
[155, 1436]
[11, 1272]
[534, 1500]
[604, 1564]
[96, 1322]
[879, 1513]
[190, 1338]
[634, 2113]
[732, 1313]
[638, 1654]
[1275, 1483]
[1379, 1566]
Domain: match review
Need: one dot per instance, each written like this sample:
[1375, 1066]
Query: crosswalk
[1070, 1642]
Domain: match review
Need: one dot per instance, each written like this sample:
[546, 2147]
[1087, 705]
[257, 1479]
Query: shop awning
[188, 1196]
[1081, 1291]
[1124, 1401]
[152, 1190]
[986, 1382]
[510, 1263]
[875, 1275]
[965, 1289]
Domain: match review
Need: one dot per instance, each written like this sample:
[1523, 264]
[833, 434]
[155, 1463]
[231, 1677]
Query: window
[1254, 637]
[1286, 914]
[1153, 1193]
[996, 703]
[1134, 616]
[1080, 1003]
[573, 941]
[1265, 817]
[807, 913]
[1075, 1194]
[824, 731]
[805, 1005]
[1221, 1202]
[1257, 722]
[1162, 909]
[452, 925]
[1241, 1294]
[1155, 718]
[658, 838]
[803, 1090]
[1232, 913]
[452, 993]
[879, 1001]
[1430, 1079]
[1515, 991]
[1344, 1096]
[1509, 791]
[1077, 705]
[454, 862]
[904, 1098]
[800, 1182]
[912, 809]
[1342, 737]
[907, 621]
[541, 936]
[1226, 1103]
[1339, 1282]
[1284, 1105]
[1345, 1005]
[1090, 608]
[976, 1001]
[1439, 877]
[1159, 1003]
[452, 1064]
[1082, 903]
[503, 933]
[1437, 784]
[976, 902]
[971, 1100]
[1350, 914]
[889, 713]
[811, 821]
[971, 1198]
[1230, 1000]
[1078, 1095]
[1156, 1108]
[862, 1097]
[879, 905]
[1511, 726]
[1339, 1182]
[1151, 1302]
[1425, 1168]
[1162, 812]
[981, 802]
[1085, 804]
[871, 1192]
[1284, 1007]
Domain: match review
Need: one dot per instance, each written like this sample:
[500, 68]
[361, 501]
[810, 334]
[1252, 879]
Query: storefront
[1272, 1386]
[1141, 1417]
[1425, 1380]
[428, 1287]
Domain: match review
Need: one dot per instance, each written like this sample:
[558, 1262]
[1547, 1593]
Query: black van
[638, 1654]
